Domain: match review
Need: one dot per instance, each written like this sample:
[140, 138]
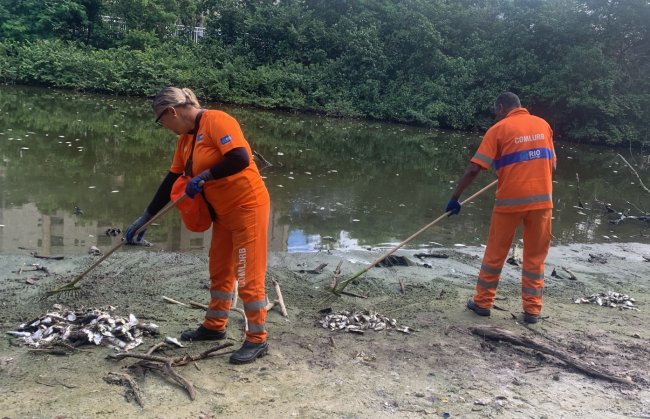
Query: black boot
[203, 334]
[476, 309]
[530, 318]
[249, 352]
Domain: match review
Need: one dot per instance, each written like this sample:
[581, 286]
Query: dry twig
[278, 301]
[172, 301]
[165, 364]
[127, 380]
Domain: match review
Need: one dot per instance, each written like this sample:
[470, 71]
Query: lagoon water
[75, 165]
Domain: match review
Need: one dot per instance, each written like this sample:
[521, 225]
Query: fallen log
[499, 334]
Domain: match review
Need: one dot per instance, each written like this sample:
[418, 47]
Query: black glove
[130, 231]
[453, 206]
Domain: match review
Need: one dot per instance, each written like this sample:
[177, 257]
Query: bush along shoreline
[582, 65]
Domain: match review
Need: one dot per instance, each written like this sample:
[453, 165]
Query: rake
[337, 290]
[73, 286]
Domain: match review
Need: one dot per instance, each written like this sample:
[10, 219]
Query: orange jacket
[219, 133]
[520, 149]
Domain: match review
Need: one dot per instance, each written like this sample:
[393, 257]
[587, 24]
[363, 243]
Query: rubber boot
[249, 352]
[476, 309]
[530, 318]
[203, 334]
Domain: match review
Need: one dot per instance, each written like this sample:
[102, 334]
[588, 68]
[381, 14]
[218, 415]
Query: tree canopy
[582, 65]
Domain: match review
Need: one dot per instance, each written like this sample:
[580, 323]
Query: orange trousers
[537, 240]
[238, 253]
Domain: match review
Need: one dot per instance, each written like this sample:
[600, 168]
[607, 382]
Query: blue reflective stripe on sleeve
[523, 156]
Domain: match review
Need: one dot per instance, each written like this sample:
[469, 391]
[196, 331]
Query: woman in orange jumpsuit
[519, 147]
[212, 151]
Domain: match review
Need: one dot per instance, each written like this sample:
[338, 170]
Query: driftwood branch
[232, 308]
[165, 364]
[180, 379]
[127, 380]
[571, 274]
[36, 255]
[261, 157]
[496, 333]
[279, 300]
[172, 301]
[317, 270]
[335, 278]
[431, 255]
[635, 172]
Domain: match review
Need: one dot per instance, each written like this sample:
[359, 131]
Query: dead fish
[19, 334]
[173, 341]
[150, 328]
[113, 232]
[133, 321]
[94, 250]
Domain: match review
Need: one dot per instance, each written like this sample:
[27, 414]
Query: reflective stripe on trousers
[537, 240]
[238, 253]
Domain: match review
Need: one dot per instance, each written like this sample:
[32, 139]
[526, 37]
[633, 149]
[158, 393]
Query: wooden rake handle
[153, 219]
[417, 233]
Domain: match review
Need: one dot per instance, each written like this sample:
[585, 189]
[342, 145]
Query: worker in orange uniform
[223, 171]
[519, 147]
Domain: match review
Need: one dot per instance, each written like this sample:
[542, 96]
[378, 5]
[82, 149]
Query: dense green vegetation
[583, 65]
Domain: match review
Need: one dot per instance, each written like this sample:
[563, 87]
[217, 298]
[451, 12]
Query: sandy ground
[441, 370]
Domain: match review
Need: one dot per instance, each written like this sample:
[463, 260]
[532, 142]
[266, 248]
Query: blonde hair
[171, 97]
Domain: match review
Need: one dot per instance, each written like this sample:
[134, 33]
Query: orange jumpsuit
[238, 247]
[520, 149]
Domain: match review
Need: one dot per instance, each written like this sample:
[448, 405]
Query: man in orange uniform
[519, 147]
[212, 151]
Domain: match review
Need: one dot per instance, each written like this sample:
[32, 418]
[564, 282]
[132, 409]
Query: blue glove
[195, 185]
[130, 231]
[454, 206]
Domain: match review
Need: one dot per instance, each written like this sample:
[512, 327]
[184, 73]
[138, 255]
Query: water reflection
[333, 183]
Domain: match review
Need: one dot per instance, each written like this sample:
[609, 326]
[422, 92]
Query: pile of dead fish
[360, 321]
[84, 326]
[609, 299]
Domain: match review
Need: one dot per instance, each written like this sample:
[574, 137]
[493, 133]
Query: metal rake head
[65, 291]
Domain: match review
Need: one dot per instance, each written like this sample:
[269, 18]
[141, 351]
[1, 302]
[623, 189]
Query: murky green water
[333, 184]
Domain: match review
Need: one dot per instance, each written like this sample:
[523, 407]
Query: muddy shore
[439, 370]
